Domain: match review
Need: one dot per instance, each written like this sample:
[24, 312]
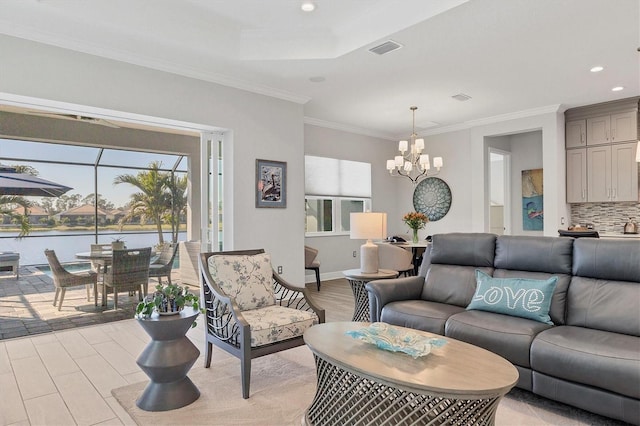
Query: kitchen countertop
[621, 235]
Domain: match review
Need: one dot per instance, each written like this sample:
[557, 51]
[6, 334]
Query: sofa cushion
[613, 259]
[559, 299]
[596, 358]
[604, 305]
[520, 297]
[553, 255]
[245, 278]
[419, 314]
[451, 284]
[465, 249]
[276, 323]
[507, 336]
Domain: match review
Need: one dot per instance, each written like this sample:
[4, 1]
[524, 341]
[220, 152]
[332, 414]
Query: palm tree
[7, 208]
[149, 204]
[177, 207]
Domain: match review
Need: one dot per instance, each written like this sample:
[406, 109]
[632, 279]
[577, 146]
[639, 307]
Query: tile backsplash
[605, 217]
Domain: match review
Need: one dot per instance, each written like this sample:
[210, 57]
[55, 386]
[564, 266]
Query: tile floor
[65, 377]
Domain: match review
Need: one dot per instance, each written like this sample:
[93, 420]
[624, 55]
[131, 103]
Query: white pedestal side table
[357, 280]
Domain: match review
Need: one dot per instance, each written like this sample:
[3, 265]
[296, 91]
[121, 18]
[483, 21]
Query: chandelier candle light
[368, 226]
[412, 163]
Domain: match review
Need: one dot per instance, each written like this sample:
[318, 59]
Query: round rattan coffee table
[359, 384]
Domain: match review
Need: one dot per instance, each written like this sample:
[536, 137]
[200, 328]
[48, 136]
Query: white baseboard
[311, 278]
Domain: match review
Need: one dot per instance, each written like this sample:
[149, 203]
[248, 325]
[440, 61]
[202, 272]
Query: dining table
[100, 260]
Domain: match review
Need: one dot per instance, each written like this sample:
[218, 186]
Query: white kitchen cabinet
[577, 175]
[612, 128]
[575, 133]
[612, 173]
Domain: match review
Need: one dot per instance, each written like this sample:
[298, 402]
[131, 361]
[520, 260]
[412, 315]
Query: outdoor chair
[311, 263]
[129, 272]
[251, 311]
[163, 265]
[63, 279]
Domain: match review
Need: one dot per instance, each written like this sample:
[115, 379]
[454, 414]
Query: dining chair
[62, 279]
[311, 263]
[250, 310]
[162, 266]
[395, 258]
[129, 272]
[99, 265]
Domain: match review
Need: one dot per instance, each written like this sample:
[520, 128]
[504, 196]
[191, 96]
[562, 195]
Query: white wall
[261, 127]
[336, 252]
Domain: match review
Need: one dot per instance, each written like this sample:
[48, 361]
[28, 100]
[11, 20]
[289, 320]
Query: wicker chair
[250, 310]
[63, 279]
[129, 272]
[163, 265]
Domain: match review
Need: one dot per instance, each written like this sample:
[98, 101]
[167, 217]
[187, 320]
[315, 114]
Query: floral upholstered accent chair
[251, 311]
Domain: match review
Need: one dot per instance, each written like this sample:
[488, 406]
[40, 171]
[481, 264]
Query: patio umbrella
[28, 185]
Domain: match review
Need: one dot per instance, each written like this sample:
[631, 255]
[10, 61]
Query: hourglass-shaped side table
[166, 360]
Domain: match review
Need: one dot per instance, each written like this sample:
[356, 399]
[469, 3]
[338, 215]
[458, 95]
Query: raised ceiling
[510, 56]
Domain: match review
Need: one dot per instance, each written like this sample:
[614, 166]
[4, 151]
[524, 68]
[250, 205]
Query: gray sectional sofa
[589, 357]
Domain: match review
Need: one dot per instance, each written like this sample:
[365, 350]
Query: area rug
[282, 387]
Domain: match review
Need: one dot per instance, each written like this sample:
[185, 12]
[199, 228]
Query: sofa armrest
[382, 292]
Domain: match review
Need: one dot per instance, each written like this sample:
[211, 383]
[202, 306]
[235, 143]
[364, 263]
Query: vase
[415, 235]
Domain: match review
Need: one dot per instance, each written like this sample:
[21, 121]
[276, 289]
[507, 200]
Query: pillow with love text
[520, 297]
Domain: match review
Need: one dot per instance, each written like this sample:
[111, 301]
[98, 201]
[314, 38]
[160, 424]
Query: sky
[80, 176]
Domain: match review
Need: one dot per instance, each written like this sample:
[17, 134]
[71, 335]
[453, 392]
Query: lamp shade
[368, 226]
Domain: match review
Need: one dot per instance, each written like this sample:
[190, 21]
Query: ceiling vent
[386, 47]
[461, 97]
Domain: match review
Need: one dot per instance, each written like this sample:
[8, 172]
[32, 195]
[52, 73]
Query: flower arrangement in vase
[415, 221]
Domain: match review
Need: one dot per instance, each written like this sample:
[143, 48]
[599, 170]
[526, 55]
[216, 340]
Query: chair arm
[382, 292]
[220, 309]
[289, 296]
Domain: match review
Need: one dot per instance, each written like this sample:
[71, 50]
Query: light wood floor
[66, 377]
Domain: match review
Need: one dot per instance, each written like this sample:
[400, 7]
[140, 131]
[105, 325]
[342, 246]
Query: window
[334, 188]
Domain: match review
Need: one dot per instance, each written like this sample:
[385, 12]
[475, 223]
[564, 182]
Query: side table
[167, 360]
[357, 280]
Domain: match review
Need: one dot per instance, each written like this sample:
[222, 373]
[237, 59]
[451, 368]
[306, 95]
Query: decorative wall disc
[432, 197]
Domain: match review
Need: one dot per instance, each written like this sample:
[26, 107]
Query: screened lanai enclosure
[135, 196]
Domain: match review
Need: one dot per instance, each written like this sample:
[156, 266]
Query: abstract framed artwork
[532, 200]
[271, 184]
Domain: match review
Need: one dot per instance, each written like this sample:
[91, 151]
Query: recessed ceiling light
[308, 6]
[597, 69]
[617, 89]
[317, 79]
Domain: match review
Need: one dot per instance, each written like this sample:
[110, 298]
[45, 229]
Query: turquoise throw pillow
[520, 297]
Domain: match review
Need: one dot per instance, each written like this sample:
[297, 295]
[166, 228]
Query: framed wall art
[271, 183]
[532, 200]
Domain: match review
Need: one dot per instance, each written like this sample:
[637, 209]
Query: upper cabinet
[601, 141]
[613, 128]
[576, 133]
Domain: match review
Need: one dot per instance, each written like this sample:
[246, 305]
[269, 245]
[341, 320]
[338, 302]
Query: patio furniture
[311, 263]
[250, 311]
[129, 272]
[163, 265]
[11, 260]
[100, 257]
[63, 279]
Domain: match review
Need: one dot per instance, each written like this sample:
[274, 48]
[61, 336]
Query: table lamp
[367, 226]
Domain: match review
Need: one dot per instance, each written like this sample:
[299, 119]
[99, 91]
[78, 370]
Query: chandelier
[412, 163]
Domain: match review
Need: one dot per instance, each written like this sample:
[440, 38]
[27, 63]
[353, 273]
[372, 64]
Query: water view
[66, 244]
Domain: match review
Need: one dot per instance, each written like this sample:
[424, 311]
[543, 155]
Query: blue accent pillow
[520, 297]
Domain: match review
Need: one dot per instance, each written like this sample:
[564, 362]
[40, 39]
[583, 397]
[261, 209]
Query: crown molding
[347, 128]
[39, 36]
[494, 119]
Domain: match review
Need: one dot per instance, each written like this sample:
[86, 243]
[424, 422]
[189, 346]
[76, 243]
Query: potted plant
[168, 299]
